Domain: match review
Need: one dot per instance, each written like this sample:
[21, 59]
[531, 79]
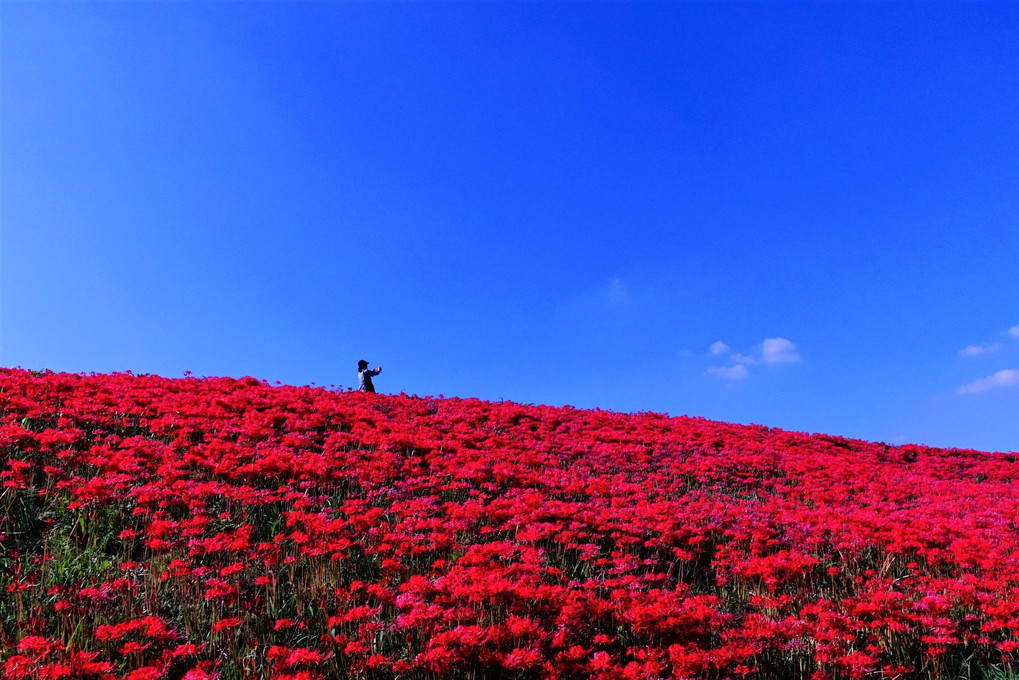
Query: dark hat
[362, 364]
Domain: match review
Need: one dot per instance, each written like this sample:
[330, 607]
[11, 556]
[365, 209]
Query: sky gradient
[803, 215]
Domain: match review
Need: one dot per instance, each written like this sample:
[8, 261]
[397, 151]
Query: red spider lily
[226, 624]
[198, 673]
[150, 627]
[146, 673]
[407, 536]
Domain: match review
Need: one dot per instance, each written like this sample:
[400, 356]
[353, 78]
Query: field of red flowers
[219, 528]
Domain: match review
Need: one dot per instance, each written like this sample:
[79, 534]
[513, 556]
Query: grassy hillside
[204, 528]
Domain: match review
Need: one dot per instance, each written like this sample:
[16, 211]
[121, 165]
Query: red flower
[226, 624]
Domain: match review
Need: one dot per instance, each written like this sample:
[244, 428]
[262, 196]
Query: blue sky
[804, 215]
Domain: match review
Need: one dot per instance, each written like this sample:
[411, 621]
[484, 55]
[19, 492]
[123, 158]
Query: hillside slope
[198, 528]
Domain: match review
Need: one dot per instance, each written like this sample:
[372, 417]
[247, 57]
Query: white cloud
[978, 350]
[1014, 331]
[771, 352]
[617, 294]
[1007, 377]
[737, 372]
[778, 351]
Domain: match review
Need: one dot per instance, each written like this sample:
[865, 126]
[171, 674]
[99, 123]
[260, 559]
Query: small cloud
[1014, 331]
[737, 372]
[978, 350]
[1006, 377]
[772, 351]
[617, 291]
[778, 351]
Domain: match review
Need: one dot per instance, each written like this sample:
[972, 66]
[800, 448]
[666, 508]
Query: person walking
[365, 375]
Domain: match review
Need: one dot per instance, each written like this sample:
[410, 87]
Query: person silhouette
[364, 376]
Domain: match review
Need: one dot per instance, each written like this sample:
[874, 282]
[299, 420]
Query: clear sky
[803, 215]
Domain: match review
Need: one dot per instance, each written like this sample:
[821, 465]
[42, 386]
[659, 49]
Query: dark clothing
[364, 380]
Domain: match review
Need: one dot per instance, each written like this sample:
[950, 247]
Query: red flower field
[220, 528]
